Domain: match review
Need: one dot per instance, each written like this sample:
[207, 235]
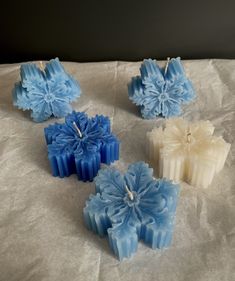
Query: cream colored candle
[187, 151]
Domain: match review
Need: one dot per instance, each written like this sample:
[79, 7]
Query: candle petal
[110, 183]
[123, 240]
[95, 215]
[139, 176]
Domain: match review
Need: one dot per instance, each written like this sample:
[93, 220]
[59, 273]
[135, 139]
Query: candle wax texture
[131, 207]
[45, 92]
[80, 145]
[187, 151]
[159, 91]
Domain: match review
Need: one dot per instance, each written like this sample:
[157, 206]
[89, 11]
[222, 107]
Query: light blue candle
[131, 207]
[80, 145]
[161, 91]
[46, 92]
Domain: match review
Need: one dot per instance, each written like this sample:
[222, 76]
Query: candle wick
[130, 194]
[167, 64]
[41, 66]
[78, 130]
[189, 137]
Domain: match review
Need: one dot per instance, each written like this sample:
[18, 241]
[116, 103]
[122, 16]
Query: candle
[46, 92]
[161, 91]
[131, 207]
[80, 144]
[187, 151]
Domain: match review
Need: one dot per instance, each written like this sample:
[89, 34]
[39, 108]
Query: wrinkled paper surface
[42, 234]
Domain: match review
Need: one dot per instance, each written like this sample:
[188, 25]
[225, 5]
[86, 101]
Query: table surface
[42, 233]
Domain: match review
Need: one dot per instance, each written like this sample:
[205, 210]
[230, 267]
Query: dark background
[116, 30]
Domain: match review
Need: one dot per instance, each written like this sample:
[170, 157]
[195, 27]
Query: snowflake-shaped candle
[187, 151]
[131, 207]
[46, 92]
[161, 91]
[80, 145]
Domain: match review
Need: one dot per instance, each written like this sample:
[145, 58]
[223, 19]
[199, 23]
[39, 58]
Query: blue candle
[80, 145]
[131, 207]
[160, 91]
[46, 92]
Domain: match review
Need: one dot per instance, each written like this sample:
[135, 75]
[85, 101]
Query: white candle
[187, 151]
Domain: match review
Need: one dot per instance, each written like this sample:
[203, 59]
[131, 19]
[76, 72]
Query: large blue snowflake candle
[80, 144]
[46, 92]
[131, 207]
[161, 91]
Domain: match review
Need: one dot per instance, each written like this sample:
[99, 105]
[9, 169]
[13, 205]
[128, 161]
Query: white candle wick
[41, 66]
[130, 194]
[189, 137]
[78, 130]
[167, 64]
